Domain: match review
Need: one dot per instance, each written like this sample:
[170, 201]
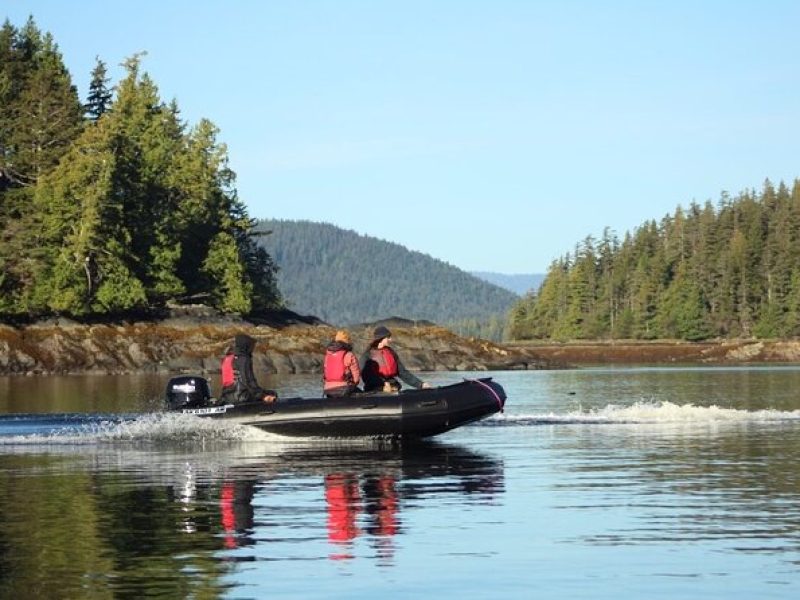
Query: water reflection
[154, 522]
[364, 490]
[736, 485]
[236, 512]
[343, 499]
[355, 505]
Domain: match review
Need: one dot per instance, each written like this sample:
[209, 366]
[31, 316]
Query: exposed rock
[663, 352]
[195, 342]
[787, 351]
[746, 352]
[194, 338]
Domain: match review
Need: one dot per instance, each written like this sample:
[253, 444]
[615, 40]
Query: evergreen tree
[88, 267]
[100, 95]
[39, 118]
[519, 326]
[538, 314]
[43, 114]
[579, 319]
[793, 305]
[9, 88]
[149, 142]
[231, 292]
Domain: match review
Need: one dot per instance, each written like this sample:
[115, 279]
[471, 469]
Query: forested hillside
[345, 278]
[730, 270]
[114, 204]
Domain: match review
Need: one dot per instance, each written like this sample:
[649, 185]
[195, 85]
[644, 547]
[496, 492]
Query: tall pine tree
[100, 95]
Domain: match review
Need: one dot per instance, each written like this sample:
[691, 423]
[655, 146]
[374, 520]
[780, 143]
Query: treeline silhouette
[725, 271]
[114, 204]
[346, 278]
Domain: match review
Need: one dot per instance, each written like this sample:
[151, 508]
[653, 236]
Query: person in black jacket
[238, 380]
[382, 367]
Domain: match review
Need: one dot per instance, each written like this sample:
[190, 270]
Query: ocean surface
[594, 483]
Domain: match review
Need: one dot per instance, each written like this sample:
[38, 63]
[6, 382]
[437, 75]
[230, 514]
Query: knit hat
[380, 333]
[342, 336]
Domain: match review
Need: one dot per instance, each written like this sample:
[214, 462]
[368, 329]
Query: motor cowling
[188, 391]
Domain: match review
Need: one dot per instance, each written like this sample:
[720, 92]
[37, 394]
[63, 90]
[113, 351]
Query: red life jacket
[227, 370]
[334, 369]
[387, 365]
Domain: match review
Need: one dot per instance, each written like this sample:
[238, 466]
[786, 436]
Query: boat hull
[412, 413]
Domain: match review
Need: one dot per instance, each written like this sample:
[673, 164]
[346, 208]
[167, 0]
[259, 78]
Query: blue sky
[494, 135]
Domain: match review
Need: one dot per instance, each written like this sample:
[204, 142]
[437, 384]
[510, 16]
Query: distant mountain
[346, 278]
[520, 284]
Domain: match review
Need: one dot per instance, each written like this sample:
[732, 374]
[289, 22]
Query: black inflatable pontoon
[411, 413]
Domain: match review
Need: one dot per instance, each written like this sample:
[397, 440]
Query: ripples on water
[594, 483]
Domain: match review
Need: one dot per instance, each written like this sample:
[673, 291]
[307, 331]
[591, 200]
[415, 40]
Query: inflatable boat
[407, 414]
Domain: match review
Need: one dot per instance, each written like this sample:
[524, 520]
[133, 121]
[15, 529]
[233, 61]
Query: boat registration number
[210, 410]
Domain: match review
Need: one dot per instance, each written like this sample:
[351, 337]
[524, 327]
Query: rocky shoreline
[192, 339]
[719, 352]
[194, 342]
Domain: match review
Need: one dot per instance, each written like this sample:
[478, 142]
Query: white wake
[151, 428]
[651, 413]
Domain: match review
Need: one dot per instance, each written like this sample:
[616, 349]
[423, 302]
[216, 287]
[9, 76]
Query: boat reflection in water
[364, 491]
[236, 510]
[170, 519]
[343, 502]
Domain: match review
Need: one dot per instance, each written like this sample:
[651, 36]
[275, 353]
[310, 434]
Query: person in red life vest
[381, 366]
[341, 374]
[238, 380]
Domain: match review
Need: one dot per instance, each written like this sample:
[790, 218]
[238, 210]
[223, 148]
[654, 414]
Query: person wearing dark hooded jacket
[381, 367]
[238, 380]
[341, 374]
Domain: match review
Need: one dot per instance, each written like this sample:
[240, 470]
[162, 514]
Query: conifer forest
[113, 204]
[730, 270]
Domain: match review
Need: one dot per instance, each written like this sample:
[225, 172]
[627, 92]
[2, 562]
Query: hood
[243, 344]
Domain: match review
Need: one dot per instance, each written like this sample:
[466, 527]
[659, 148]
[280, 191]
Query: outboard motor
[188, 391]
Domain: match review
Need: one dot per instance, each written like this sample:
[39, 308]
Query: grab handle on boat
[488, 387]
[372, 405]
[429, 403]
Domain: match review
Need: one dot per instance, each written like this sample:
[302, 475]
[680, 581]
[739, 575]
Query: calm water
[601, 483]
